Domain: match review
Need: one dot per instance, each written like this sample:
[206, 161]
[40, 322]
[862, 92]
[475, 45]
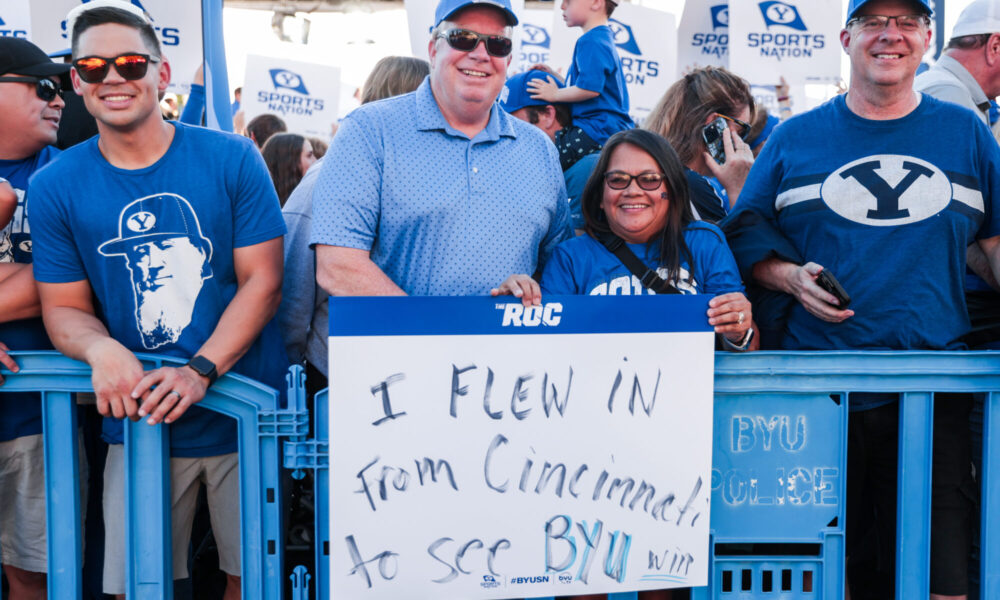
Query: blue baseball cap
[515, 95]
[855, 6]
[446, 8]
[157, 217]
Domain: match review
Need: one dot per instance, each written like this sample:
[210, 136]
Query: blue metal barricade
[260, 423]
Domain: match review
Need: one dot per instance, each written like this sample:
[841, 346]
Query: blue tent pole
[218, 112]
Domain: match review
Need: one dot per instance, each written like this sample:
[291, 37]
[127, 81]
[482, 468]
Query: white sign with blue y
[304, 95]
[481, 449]
[536, 37]
[797, 39]
[703, 35]
[177, 24]
[15, 19]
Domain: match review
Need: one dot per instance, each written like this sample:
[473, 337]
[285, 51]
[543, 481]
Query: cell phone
[828, 282]
[712, 134]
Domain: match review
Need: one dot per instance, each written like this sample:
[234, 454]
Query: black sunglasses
[132, 66]
[744, 130]
[466, 41]
[620, 180]
[45, 89]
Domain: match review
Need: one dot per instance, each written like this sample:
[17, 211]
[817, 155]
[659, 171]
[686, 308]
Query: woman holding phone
[706, 117]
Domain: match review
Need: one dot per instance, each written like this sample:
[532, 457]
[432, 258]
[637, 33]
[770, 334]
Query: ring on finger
[175, 393]
[742, 317]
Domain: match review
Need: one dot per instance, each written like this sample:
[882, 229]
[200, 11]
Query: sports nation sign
[798, 39]
[304, 95]
[481, 449]
[177, 24]
[703, 35]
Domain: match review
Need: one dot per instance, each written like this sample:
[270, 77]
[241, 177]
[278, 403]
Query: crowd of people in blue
[451, 179]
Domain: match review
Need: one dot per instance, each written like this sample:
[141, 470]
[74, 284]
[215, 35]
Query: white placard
[536, 37]
[703, 35]
[177, 23]
[797, 39]
[15, 19]
[646, 40]
[420, 21]
[305, 95]
[478, 462]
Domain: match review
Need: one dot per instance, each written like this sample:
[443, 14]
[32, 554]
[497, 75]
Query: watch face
[202, 366]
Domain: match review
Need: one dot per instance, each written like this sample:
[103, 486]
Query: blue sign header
[444, 315]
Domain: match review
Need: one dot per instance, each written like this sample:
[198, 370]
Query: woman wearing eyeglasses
[691, 115]
[638, 194]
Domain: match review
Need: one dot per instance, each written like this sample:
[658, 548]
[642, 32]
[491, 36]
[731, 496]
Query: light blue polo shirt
[441, 214]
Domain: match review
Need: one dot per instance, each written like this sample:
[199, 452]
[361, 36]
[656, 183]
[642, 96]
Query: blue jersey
[888, 207]
[597, 67]
[21, 413]
[583, 265]
[156, 245]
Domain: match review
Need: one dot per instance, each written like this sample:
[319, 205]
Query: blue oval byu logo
[887, 190]
[141, 222]
[623, 36]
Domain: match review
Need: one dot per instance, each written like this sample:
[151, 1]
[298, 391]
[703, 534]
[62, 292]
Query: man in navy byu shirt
[30, 108]
[158, 237]
[886, 188]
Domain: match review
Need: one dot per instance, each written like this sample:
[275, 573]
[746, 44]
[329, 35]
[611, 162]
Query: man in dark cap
[30, 108]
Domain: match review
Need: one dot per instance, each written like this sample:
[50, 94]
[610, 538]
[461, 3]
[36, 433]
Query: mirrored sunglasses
[93, 69]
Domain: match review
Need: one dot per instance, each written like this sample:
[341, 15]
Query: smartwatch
[204, 367]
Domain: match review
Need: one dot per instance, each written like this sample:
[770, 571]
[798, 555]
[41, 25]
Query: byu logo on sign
[141, 222]
[283, 78]
[781, 13]
[535, 36]
[518, 315]
[624, 38]
[887, 189]
[720, 16]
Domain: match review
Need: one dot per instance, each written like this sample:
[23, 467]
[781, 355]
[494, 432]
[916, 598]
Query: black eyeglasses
[132, 66]
[744, 127]
[45, 89]
[466, 41]
[620, 180]
[877, 23]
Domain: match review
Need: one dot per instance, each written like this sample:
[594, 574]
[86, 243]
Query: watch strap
[204, 367]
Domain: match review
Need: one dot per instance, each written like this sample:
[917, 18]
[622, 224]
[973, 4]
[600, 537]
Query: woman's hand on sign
[730, 314]
[520, 286]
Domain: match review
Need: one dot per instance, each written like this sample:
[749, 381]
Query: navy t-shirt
[21, 413]
[597, 67]
[156, 245]
[583, 265]
[888, 207]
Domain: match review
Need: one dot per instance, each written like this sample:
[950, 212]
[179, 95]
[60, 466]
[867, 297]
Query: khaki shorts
[220, 474]
[22, 508]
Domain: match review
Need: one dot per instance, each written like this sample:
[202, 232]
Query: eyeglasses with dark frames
[131, 66]
[620, 180]
[877, 23]
[744, 127]
[45, 89]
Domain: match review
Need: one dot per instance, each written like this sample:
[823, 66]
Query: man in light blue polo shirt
[440, 192]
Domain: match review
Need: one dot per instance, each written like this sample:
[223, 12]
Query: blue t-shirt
[583, 265]
[21, 413]
[156, 245]
[888, 207]
[597, 67]
[441, 215]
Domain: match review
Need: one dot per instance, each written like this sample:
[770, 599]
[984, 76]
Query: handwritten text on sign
[481, 449]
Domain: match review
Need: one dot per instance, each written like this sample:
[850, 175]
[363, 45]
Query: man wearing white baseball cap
[968, 73]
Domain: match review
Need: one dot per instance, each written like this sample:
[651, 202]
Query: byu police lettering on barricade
[177, 23]
[482, 449]
[703, 34]
[304, 95]
[536, 37]
[15, 19]
[795, 38]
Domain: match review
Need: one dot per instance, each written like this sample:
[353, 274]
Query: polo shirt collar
[429, 117]
[962, 74]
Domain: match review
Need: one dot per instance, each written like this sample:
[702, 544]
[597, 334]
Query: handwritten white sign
[798, 39]
[483, 450]
[177, 23]
[304, 95]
